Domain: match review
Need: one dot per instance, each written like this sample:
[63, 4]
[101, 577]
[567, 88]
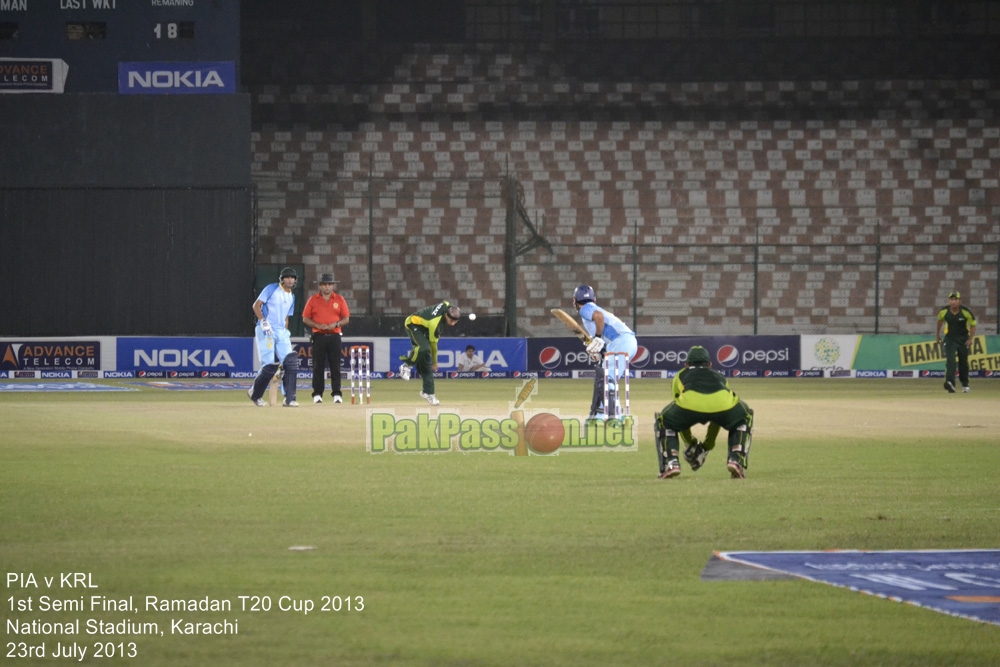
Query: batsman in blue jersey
[273, 307]
[609, 334]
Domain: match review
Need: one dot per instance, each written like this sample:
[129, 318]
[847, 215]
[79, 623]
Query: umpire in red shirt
[326, 312]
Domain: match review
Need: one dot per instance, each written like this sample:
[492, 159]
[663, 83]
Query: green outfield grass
[490, 559]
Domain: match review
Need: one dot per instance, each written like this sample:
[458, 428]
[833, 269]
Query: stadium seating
[703, 185]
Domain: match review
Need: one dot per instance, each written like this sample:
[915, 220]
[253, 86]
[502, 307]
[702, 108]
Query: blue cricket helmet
[583, 294]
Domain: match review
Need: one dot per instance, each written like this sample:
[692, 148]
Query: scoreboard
[96, 37]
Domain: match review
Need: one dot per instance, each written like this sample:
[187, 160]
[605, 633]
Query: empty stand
[781, 207]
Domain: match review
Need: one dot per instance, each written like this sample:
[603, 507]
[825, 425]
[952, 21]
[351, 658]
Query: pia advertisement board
[185, 357]
[733, 355]
[494, 355]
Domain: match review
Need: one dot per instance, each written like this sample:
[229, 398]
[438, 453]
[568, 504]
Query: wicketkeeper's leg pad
[661, 440]
[667, 440]
[263, 379]
[740, 439]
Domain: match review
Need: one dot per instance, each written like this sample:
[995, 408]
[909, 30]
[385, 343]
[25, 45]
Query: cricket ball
[544, 433]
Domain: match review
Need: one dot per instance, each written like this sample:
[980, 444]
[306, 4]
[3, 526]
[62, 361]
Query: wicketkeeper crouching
[702, 396]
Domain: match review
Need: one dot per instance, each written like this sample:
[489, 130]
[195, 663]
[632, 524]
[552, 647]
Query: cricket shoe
[695, 455]
[290, 404]
[430, 398]
[317, 399]
[259, 402]
[338, 399]
[404, 372]
[671, 469]
[949, 387]
[965, 390]
[735, 468]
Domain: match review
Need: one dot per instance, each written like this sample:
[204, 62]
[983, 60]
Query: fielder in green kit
[702, 396]
[959, 325]
[424, 327]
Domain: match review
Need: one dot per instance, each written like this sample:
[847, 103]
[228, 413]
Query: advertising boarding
[470, 357]
[176, 78]
[745, 356]
[50, 355]
[186, 357]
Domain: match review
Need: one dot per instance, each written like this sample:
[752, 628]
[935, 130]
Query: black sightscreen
[111, 261]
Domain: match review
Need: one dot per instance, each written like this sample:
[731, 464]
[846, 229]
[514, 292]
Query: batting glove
[595, 346]
[265, 326]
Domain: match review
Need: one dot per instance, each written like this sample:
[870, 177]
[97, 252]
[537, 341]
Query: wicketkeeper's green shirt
[701, 389]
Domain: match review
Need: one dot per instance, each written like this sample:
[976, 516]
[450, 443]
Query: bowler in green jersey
[424, 327]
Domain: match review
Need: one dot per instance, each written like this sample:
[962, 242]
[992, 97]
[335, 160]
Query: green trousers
[420, 356]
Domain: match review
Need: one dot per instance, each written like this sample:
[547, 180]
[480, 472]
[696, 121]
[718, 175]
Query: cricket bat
[274, 385]
[571, 323]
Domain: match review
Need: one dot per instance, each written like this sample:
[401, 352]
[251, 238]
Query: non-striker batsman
[273, 308]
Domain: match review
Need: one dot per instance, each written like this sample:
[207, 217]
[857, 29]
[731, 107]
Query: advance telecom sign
[177, 78]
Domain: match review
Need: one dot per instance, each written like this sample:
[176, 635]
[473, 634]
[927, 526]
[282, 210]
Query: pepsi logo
[727, 356]
[768, 374]
[550, 357]
[798, 374]
[548, 374]
[172, 374]
[204, 374]
[484, 374]
[453, 374]
[641, 358]
[924, 374]
[517, 374]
